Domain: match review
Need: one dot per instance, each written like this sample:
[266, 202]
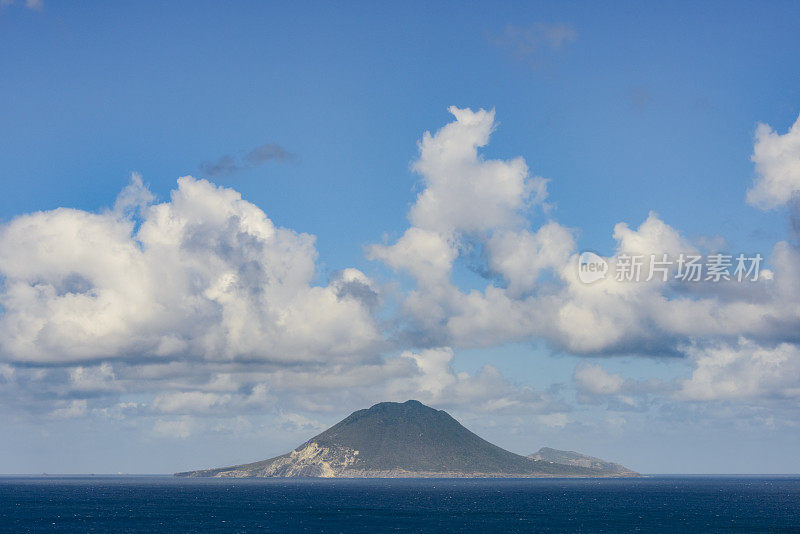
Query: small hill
[393, 439]
[546, 454]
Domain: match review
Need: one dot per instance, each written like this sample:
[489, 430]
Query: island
[412, 440]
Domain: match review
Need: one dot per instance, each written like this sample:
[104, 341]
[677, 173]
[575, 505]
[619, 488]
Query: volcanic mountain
[391, 439]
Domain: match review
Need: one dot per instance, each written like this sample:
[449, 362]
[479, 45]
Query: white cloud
[743, 371]
[426, 254]
[134, 198]
[435, 382]
[656, 317]
[596, 380]
[463, 191]
[521, 256]
[464, 195]
[469, 198]
[207, 276]
[201, 306]
[777, 161]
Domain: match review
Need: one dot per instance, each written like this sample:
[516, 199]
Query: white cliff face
[309, 460]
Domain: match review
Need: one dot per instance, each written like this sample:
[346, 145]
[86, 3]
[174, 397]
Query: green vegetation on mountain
[393, 439]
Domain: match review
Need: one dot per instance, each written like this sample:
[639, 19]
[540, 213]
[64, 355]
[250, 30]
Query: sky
[225, 227]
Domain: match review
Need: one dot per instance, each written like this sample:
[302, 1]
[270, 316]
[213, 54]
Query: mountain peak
[410, 404]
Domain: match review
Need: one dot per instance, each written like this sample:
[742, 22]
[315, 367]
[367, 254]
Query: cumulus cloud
[427, 255]
[521, 257]
[206, 275]
[464, 192]
[133, 198]
[200, 306]
[777, 160]
[469, 202]
[436, 382]
[740, 338]
[743, 371]
[466, 199]
[352, 283]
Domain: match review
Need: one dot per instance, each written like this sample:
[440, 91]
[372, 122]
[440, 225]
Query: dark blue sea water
[165, 504]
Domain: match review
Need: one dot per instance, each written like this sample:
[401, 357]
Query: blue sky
[627, 110]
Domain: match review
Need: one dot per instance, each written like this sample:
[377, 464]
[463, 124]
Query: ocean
[164, 504]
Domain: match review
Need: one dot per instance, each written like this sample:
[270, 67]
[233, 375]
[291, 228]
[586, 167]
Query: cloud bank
[201, 306]
[205, 275]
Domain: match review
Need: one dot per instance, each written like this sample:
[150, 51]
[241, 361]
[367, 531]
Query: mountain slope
[572, 458]
[398, 440]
